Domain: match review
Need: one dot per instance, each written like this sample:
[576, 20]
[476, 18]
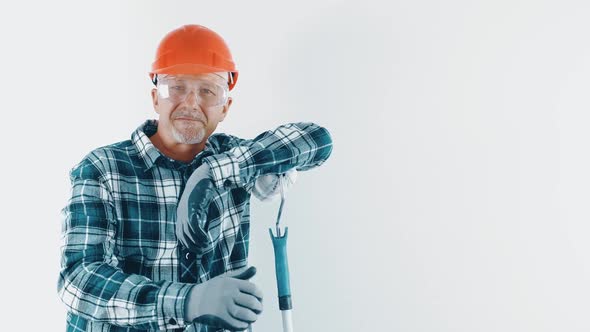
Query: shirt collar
[151, 155]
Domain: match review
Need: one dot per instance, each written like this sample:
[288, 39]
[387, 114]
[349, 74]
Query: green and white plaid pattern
[122, 266]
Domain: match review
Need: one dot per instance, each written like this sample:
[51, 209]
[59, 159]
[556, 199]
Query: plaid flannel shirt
[122, 266]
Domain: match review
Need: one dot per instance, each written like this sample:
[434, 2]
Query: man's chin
[189, 139]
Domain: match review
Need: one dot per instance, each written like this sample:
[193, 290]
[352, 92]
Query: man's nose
[192, 99]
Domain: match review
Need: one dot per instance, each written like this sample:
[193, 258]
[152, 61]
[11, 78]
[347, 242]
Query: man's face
[188, 107]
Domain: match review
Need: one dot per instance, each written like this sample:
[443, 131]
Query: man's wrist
[171, 304]
[190, 306]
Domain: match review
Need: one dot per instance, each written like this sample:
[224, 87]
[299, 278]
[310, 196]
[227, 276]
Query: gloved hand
[229, 301]
[191, 213]
[266, 187]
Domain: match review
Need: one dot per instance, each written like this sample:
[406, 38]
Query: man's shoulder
[106, 158]
[112, 151]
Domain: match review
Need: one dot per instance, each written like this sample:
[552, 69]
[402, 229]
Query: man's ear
[155, 99]
[226, 108]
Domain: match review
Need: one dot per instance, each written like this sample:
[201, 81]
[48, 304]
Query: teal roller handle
[282, 269]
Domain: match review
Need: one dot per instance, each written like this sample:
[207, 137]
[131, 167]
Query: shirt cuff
[171, 304]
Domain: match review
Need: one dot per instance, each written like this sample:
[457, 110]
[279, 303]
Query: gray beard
[188, 139]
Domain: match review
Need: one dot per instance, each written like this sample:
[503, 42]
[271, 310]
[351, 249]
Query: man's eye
[178, 88]
[207, 92]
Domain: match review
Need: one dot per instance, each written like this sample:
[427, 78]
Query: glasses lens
[206, 92]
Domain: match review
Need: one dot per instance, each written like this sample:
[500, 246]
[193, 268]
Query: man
[129, 263]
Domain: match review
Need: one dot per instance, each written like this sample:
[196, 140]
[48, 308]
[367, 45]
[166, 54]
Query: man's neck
[180, 152]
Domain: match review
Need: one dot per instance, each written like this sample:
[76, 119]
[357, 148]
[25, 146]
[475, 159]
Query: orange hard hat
[194, 49]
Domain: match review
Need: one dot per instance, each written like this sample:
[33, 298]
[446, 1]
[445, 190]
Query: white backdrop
[456, 197]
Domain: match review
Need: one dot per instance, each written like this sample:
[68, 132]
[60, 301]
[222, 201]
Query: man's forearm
[297, 145]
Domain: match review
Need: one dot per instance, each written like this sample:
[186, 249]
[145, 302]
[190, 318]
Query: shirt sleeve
[90, 284]
[302, 146]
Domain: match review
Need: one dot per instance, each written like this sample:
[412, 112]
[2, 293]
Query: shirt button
[187, 254]
[172, 321]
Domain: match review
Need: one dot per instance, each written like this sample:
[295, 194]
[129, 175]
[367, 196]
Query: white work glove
[229, 301]
[266, 187]
[191, 213]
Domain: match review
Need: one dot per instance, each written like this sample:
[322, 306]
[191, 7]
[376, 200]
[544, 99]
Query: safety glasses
[178, 89]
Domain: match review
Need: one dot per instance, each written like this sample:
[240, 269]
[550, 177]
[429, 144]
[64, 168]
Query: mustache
[189, 115]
